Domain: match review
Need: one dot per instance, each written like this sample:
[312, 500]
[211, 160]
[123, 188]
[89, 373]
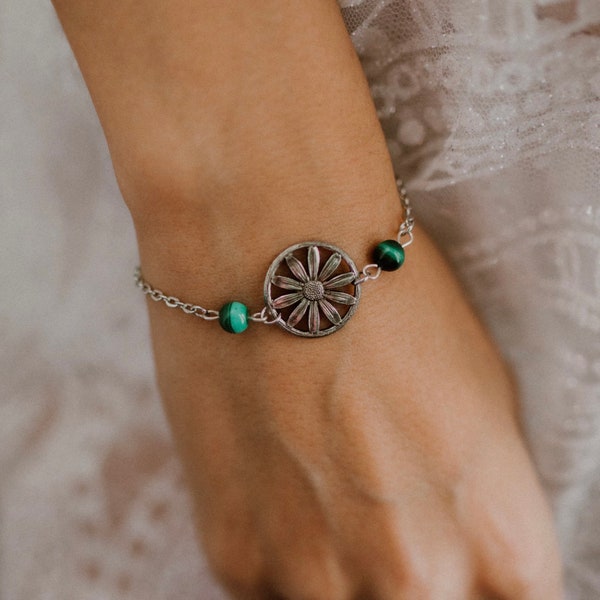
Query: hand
[382, 462]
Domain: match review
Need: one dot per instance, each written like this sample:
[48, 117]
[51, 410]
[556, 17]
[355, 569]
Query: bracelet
[301, 296]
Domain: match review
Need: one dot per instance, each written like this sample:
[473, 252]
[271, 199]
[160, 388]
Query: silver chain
[369, 272]
[172, 301]
[407, 226]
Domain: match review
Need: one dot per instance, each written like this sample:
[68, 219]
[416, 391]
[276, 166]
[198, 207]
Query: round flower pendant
[311, 289]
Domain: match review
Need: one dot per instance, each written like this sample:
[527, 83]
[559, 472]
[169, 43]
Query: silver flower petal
[287, 300]
[313, 262]
[286, 283]
[298, 313]
[314, 319]
[297, 268]
[339, 280]
[333, 262]
[340, 297]
[330, 311]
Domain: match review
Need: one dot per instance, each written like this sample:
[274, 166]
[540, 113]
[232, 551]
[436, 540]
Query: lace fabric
[468, 88]
[491, 111]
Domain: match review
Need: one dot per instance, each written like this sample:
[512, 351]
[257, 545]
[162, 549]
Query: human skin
[384, 462]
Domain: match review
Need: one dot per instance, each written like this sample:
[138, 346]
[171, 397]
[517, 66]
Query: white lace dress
[492, 112]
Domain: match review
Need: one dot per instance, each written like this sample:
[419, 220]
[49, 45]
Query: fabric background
[491, 110]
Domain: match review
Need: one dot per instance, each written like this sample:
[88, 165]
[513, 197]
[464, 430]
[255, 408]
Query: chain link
[408, 224]
[263, 317]
[369, 272]
[366, 274]
[172, 301]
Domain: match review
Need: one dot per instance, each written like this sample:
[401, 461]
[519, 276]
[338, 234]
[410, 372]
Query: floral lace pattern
[464, 89]
[491, 113]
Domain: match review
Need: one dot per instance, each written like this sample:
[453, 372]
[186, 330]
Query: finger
[424, 557]
[299, 575]
[300, 559]
[233, 553]
[524, 573]
[518, 553]
[443, 577]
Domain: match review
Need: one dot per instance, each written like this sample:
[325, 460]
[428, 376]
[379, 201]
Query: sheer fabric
[491, 110]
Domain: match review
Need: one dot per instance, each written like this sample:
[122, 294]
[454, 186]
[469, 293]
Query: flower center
[313, 290]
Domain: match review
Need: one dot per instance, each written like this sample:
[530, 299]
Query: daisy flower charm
[312, 289]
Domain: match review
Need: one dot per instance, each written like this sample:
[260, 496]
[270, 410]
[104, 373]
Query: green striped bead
[233, 317]
[389, 255]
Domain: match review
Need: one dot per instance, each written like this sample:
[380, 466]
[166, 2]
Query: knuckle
[525, 578]
[320, 593]
[440, 574]
[526, 572]
[236, 576]
[417, 587]
[233, 563]
[410, 579]
[329, 590]
[314, 580]
[520, 559]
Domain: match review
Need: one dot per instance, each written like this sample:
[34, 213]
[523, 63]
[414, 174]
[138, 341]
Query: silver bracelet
[302, 296]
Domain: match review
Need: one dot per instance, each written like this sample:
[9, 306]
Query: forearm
[220, 96]
[245, 121]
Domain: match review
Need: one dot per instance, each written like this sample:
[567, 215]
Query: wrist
[213, 252]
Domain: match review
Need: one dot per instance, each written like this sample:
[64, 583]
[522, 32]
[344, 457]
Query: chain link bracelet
[311, 289]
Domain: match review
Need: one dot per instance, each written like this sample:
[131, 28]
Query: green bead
[389, 255]
[233, 317]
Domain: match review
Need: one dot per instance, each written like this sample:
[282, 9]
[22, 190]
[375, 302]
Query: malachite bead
[389, 255]
[233, 317]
